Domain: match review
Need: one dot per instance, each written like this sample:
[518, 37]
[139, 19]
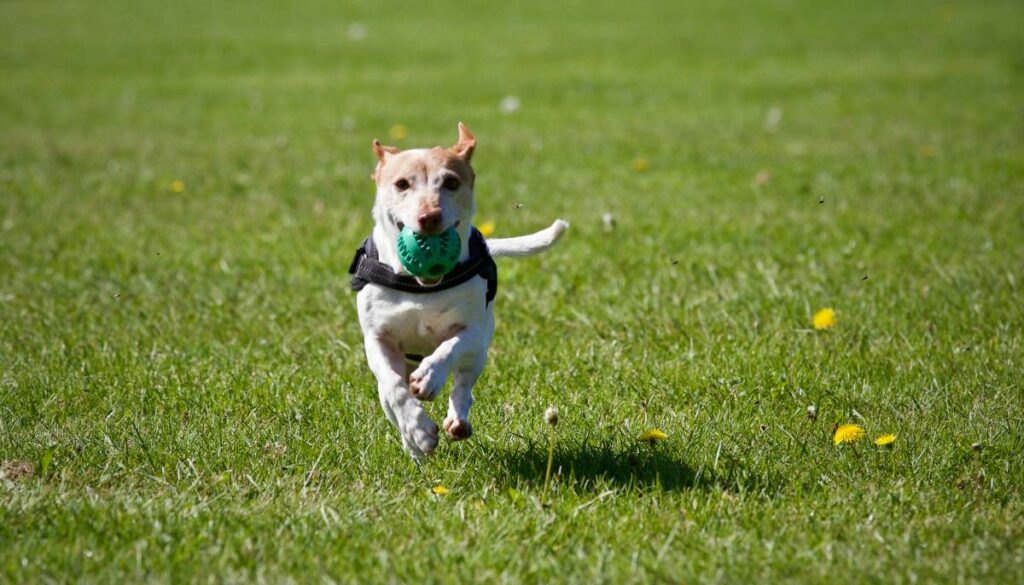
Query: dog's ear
[382, 153]
[466, 144]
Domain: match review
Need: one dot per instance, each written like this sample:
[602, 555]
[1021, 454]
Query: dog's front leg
[460, 346]
[418, 432]
[457, 424]
[465, 352]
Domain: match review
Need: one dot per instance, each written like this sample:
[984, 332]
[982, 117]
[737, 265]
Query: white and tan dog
[430, 190]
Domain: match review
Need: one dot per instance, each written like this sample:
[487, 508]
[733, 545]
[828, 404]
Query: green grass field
[183, 391]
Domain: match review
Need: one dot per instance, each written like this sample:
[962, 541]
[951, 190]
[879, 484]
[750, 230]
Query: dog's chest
[419, 322]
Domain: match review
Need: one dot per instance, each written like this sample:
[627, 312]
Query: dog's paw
[426, 382]
[419, 436]
[457, 428]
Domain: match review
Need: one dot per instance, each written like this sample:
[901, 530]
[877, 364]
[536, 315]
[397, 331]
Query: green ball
[429, 256]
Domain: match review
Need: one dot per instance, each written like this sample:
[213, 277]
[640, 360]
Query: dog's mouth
[395, 222]
[401, 225]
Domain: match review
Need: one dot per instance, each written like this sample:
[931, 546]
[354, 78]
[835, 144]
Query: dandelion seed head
[608, 221]
[509, 104]
[551, 415]
[356, 31]
[772, 119]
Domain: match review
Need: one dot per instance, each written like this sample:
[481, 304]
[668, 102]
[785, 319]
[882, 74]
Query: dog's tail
[528, 245]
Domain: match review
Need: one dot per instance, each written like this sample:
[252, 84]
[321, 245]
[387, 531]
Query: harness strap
[366, 268]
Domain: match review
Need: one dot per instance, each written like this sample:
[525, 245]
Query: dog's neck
[385, 238]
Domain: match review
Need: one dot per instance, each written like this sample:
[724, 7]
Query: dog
[416, 331]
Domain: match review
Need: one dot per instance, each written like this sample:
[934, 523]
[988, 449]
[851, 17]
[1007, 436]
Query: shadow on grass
[631, 466]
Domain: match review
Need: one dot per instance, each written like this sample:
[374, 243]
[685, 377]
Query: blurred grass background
[181, 371]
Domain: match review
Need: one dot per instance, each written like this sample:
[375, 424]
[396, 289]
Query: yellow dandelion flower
[652, 436]
[848, 433]
[486, 228]
[177, 186]
[398, 132]
[439, 490]
[824, 319]
[640, 164]
[885, 440]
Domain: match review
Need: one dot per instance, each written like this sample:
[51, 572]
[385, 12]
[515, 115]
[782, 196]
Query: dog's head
[427, 189]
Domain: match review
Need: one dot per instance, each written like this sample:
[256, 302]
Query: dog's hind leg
[457, 424]
[418, 432]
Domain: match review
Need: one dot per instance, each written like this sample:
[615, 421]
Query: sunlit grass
[183, 391]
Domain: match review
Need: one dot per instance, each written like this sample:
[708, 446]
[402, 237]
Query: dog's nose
[430, 221]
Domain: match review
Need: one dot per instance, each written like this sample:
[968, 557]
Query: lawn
[183, 391]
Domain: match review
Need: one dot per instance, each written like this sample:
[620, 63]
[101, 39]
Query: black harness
[366, 268]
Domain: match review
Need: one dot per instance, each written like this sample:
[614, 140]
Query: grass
[183, 395]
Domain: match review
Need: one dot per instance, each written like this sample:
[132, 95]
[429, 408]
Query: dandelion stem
[551, 458]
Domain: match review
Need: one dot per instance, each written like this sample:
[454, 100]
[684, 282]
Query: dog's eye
[402, 185]
[450, 183]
